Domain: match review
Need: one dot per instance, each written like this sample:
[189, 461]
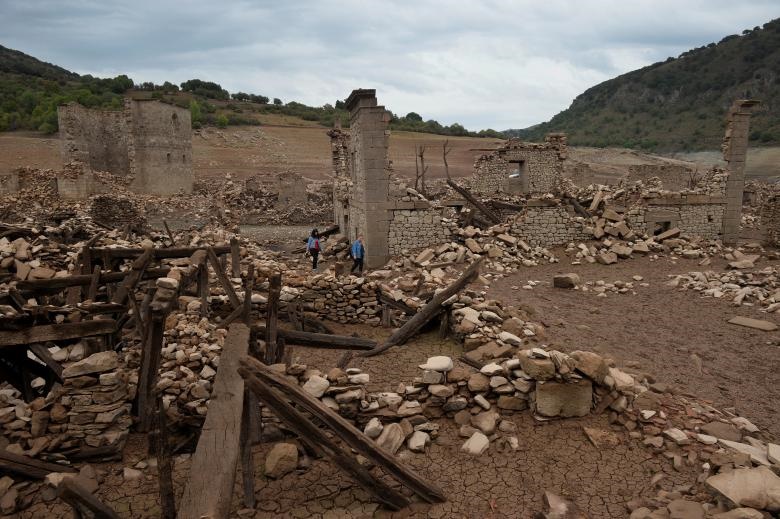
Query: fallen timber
[85, 279]
[427, 312]
[264, 381]
[171, 252]
[29, 467]
[319, 340]
[57, 332]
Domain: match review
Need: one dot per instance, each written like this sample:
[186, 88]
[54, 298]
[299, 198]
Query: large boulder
[281, 460]
[564, 399]
[754, 487]
[570, 280]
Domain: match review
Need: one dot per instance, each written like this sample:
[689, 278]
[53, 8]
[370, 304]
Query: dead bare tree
[445, 151]
[693, 178]
[420, 169]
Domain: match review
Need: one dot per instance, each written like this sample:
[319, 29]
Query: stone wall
[548, 225]
[696, 215]
[291, 189]
[521, 167]
[160, 147]
[583, 175]
[491, 175]
[98, 138]
[147, 140]
[673, 177]
[416, 228]
[770, 220]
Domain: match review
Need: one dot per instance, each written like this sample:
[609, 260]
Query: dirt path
[661, 328]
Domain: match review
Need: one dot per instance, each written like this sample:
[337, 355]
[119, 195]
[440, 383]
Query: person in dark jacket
[358, 252]
[313, 248]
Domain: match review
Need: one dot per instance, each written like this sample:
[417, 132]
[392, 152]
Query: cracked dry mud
[655, 331]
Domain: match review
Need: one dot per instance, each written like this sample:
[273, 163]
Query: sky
[482, 63]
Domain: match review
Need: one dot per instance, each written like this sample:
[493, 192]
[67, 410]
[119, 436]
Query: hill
[679, 104]
[31, 90]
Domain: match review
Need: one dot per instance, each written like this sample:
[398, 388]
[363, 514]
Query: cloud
[491, 63]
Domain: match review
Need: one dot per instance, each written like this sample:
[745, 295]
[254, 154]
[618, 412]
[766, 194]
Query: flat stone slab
[757, 324]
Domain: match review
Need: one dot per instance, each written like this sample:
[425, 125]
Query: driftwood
[209, 490]
[82, 500]
[319, 340]
[258, 374]
[28, 467]
[428, 312]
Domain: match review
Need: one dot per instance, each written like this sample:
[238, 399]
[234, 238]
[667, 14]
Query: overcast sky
[484, 63]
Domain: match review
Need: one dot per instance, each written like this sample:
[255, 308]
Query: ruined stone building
[147, 140]
[521, 167]
[291, 189]
[367, 201]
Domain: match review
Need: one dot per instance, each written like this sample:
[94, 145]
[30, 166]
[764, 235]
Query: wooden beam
[209, 490]
[164, 465]
[428, 312]
[133, 278]
[235, 258]
[78, 497]
[42, 352]
[150, 364]
[171, 252]
[57, 332]
[272, 317]
[249, 285]
[318, 340]
[311, 434]
[29, 467]
[482, 208]
[86, 280]
[170, 234]
[223, 279]
[344, 430]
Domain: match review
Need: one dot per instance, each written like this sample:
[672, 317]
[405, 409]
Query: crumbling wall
[491, 175]
[9, 183]
[674, 177]
[584, 175]
[696, 215]
[416, 228]
[98, 138]
[147, 140]
[770, 220]
[548, 225]
[160, 147]
[539, 166]
[291, 189]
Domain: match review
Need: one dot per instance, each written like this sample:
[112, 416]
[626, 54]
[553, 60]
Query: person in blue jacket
[358, 252]
[313, 248]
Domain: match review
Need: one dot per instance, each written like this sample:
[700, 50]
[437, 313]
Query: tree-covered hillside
[680, 104]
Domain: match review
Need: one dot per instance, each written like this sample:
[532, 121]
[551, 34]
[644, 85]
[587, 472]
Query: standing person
[358, 252]
[313, 248]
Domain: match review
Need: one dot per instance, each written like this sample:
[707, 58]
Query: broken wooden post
[249, 285]
[247, 464]
[272, 317]
[209, 490]
[235, 257]
[164, 466]
[133, 278]
[150, 364]
[57, 332]
[170, 234]
[428, 312]
[203, 290]
[482, 208]
[223, 279]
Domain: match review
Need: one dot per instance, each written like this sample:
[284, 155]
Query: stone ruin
[367, 200]
[770, 219]
[521, 167]
[291, 189]
[147, 141]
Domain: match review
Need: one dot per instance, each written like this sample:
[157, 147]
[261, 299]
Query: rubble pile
[116, 211]
[91, 408]
[758, 288]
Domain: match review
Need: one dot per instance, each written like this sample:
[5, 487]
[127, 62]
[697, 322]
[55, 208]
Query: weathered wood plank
[57, 332]
[209, 490]
[345, 431]
[272, 318]
[85, 280]
[80, 498]
[320, 340]
[313, 435]
[223, 279]
[171, 252]
[29, 467]
[428, 312]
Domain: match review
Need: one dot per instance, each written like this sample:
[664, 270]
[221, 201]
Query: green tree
[277, 101]
[196, 114]
[413, 116]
